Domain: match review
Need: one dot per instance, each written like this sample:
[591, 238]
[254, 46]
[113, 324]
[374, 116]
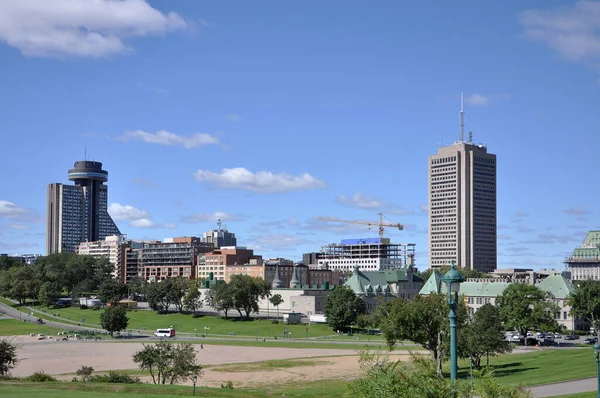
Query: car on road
[571, 336]
[558, 336]
[590, 340]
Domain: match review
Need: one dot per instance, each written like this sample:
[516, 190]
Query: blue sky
[269, 114]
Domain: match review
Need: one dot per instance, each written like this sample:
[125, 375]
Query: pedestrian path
[565, 387]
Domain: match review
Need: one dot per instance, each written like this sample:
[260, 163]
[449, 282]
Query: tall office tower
[462, 205]
[78, 213]
[219, 237]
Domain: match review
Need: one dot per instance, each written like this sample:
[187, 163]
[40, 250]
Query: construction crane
[379, 224]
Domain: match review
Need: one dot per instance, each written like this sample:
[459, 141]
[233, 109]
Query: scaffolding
[400, 254]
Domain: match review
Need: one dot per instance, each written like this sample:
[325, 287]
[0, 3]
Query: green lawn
[541, 367]
[323, 388]
[13, 327]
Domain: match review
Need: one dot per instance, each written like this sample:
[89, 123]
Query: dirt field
[60, 357]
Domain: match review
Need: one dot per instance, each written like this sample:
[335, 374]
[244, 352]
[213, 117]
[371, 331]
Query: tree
[114, 319]
[585, 303]
[524, 308]
[49, 293]
[219, 297]
[177, 290]
[112, 290]
[276, 300]
[247, 291]
[423, 320]
[193, 298]
[483, 335]
[20, 282]
[342, 307]
[385, 379]
[8, 356]
[168, 362]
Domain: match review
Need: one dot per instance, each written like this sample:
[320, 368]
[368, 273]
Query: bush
[228, 386]
[197, 316]
[114, 377]
[41, 376]
[85, 372]
[275, 322]
[95, 308]
[83, 307]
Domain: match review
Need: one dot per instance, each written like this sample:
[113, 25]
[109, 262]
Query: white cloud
[142, 223]
[11, 210]
[80, 28]
[573, 32]
[577, 211]
[279, 241]
[170, 225]
[125, 212]
[163, 137]
[206, 217]
[480, 99]
[359, 200]
[261, 181]
[18, 226]
[145, 183]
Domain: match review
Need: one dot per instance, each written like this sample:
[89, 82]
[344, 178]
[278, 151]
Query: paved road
[11, 312]
[564, 388]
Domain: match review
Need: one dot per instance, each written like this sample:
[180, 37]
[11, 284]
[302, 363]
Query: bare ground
[65, 357]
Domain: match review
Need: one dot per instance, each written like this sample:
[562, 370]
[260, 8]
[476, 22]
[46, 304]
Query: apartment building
[227, 261]
[171, 258]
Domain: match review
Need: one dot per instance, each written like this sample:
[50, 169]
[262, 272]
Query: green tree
[220, 298]
[112, 290]
[423, 320]
[177, 290]
[114, 319]
[193, 298]
[162, 294]
[20, 283]
[168, 362]
[585, 303]
[343, 307]
[483, 336]
[386, 379]
[8, 356]
[276, 300]
[525, 307]
[247, 291]
[49, 293]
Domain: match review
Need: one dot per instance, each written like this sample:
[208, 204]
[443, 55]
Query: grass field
[13, 327]
[540, 367]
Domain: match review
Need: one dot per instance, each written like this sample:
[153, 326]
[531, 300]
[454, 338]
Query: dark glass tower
[79, 213]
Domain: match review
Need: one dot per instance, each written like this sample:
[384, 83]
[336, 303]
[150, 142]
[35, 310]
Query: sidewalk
[565, 387]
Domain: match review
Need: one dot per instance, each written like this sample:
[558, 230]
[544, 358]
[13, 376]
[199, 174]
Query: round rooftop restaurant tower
[87, 170]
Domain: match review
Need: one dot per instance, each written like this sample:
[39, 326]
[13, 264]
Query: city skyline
[269, 117]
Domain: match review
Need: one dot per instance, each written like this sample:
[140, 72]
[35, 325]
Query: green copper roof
[592, 239]
[557, 286]
[376, 282]
[432, 286]
[590, 248]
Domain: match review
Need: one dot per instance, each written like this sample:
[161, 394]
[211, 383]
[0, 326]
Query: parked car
[558, 336]
[571, 336]
[590, 340]
[549, 338]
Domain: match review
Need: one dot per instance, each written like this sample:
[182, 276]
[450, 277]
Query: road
[13, 313]
[564, 388]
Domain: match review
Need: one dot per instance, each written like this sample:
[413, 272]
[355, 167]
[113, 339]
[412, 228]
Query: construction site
[368, 254]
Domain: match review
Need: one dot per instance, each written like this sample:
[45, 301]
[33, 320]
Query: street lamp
[597, 350]
[452, 279]
[194, 380]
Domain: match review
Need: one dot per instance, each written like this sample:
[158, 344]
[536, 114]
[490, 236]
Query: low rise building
[227, 261]
[370, 285]
[584, 262]
[478, 292]
[114, 248]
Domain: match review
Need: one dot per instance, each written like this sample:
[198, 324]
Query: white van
[170, 332]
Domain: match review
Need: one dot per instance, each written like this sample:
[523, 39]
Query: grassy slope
[12, 327]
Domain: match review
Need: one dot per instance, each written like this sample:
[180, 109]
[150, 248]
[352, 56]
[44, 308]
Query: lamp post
[194, 380]
[452, 279]
[597, 350]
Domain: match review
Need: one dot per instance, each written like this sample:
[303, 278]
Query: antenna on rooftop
[219, 223]
[85, 153]
[461, 137]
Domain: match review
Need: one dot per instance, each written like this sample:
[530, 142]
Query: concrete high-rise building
[220, 237]
[78, 213]
[462, 205]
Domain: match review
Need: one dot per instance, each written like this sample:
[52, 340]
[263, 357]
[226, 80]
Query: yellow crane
[379, 224]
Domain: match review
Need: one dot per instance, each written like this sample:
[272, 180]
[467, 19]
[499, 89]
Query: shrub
[114, 377]
[197, 316]
[41, 376]
[95, 308]
[85, 372]
[83, 307]
[275, 322]
[228, 385]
